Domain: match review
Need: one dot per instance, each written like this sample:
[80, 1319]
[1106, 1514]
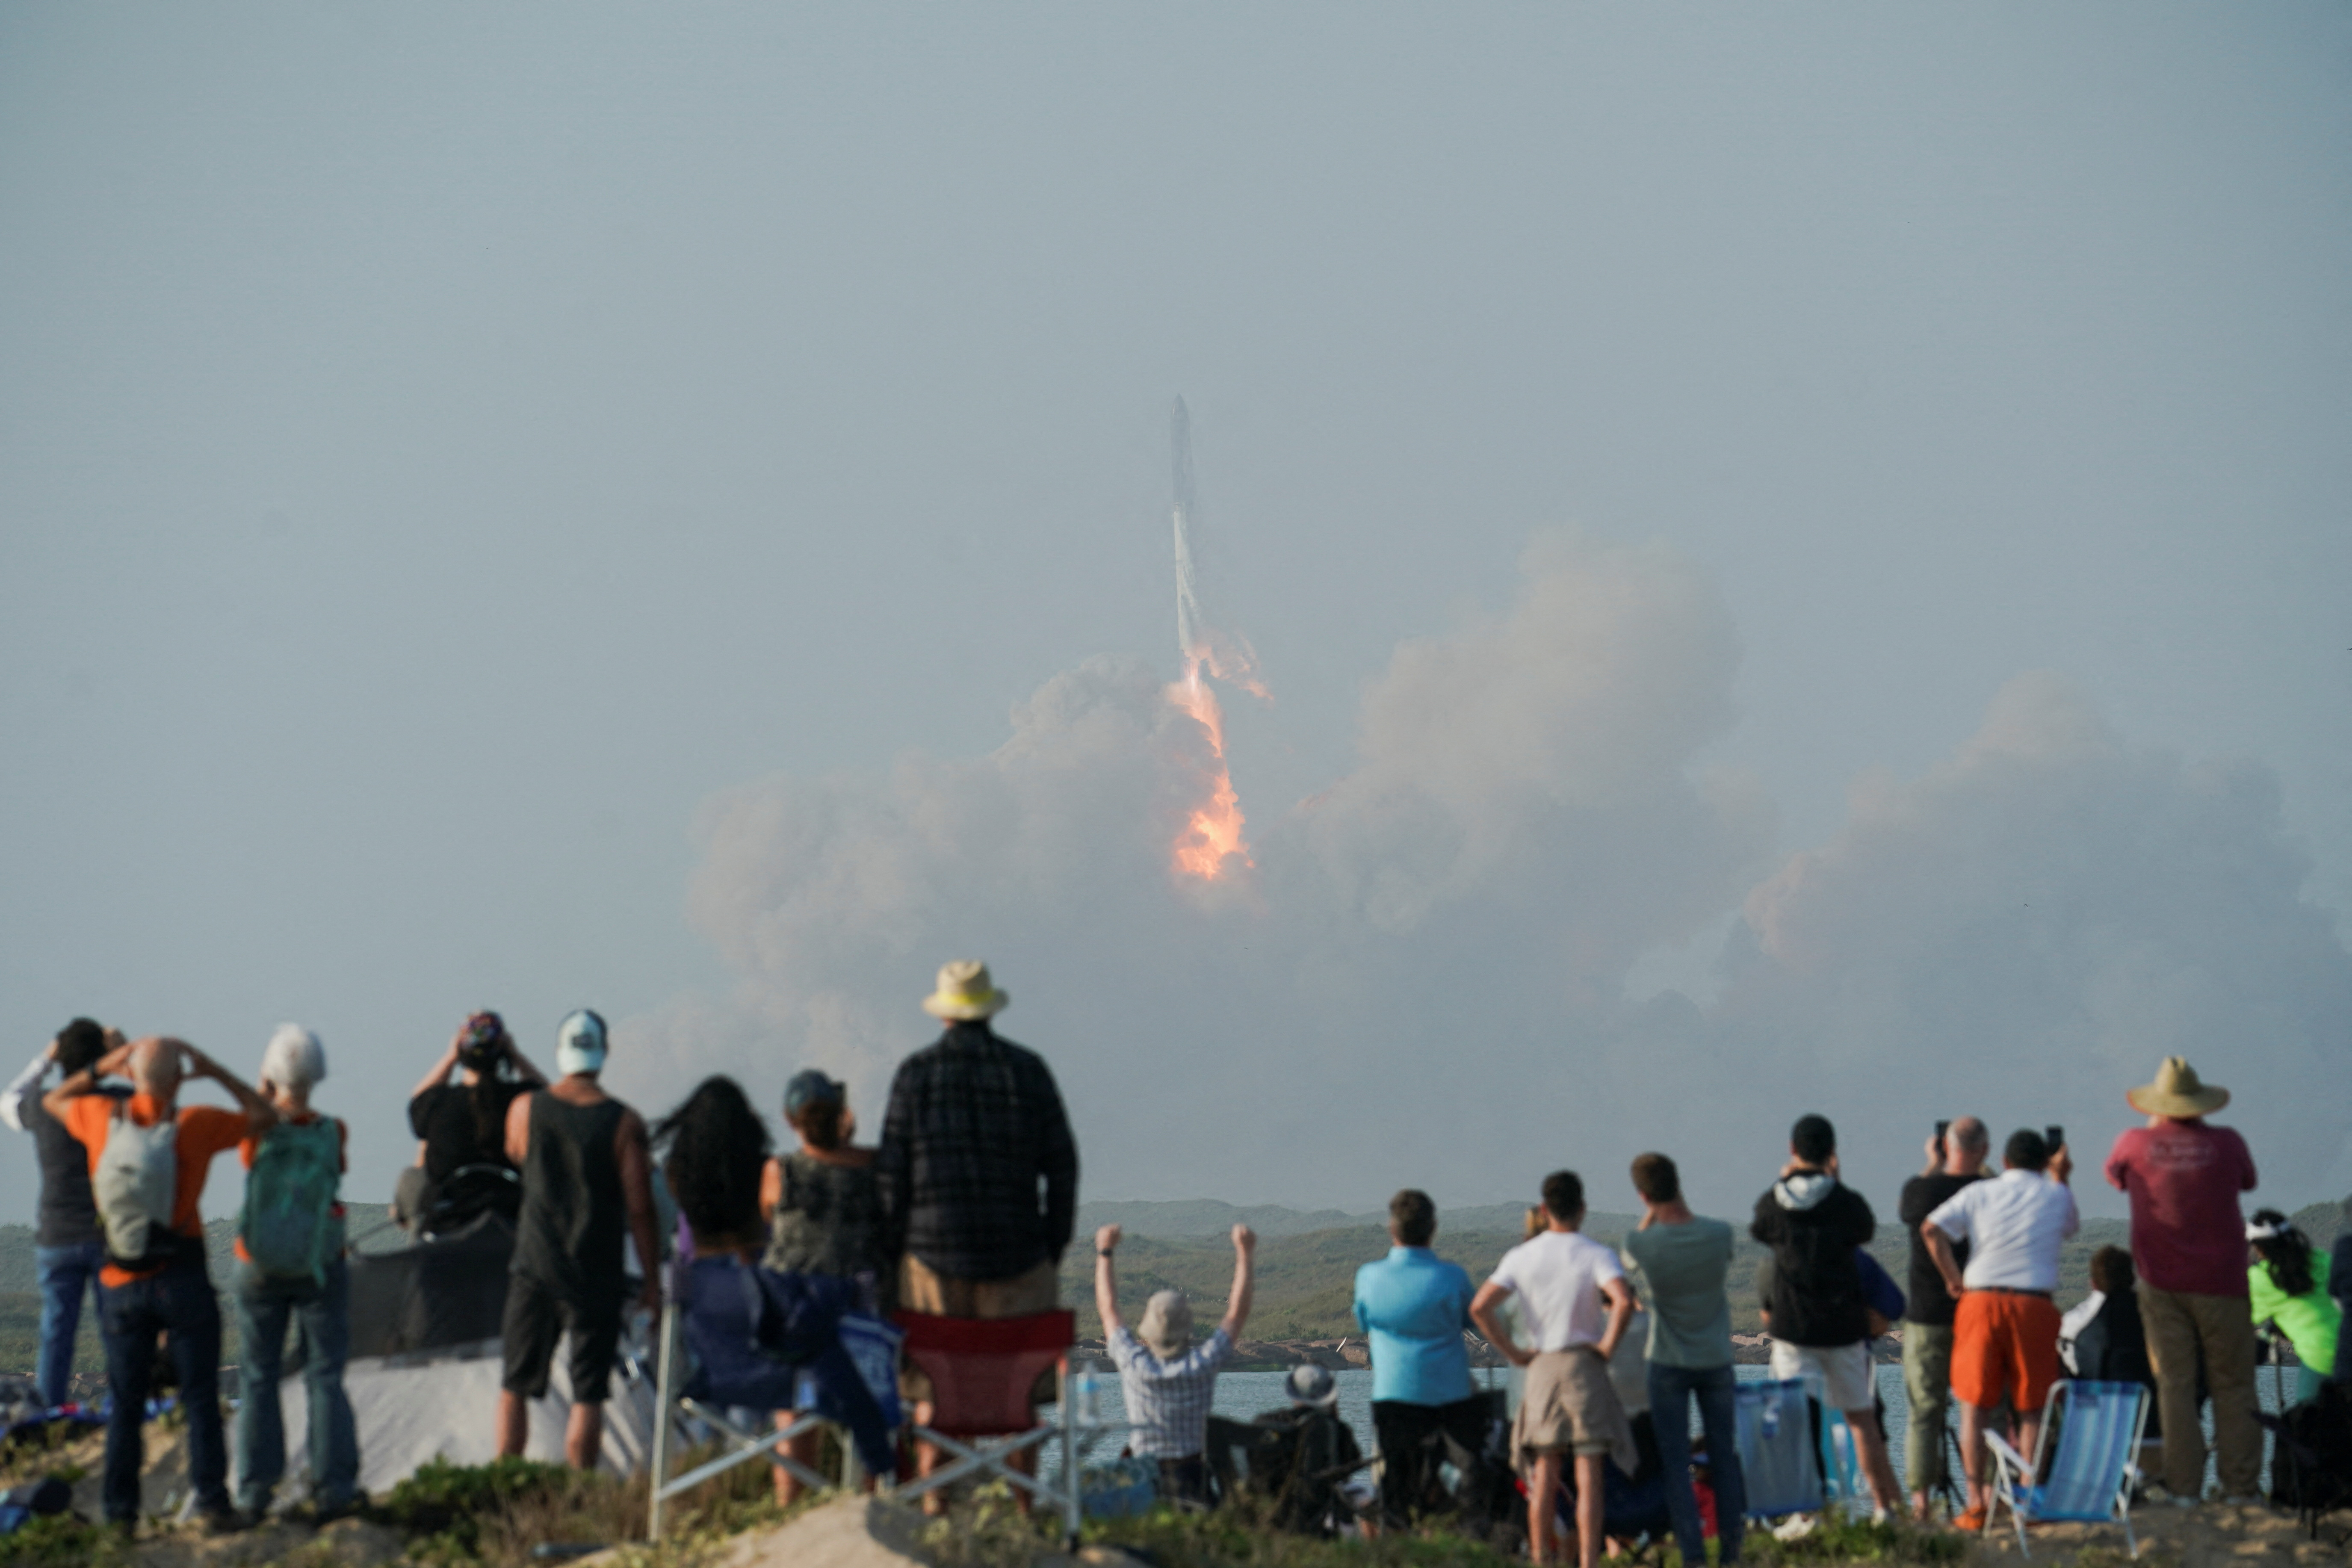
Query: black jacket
[1813, 1223]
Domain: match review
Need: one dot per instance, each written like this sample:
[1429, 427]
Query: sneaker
[1970, 1522]
[326, 1513]
[224, 1521]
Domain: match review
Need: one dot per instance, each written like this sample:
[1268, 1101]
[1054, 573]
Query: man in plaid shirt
[977, 1174]
[1167, 1382]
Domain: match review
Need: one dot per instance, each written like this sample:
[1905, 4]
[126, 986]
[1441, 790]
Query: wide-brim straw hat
[2178, 1091]
[965, 993]
[1311, 1385]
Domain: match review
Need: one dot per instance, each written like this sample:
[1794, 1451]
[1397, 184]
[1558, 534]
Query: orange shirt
[250, 1147]
[204, 1131]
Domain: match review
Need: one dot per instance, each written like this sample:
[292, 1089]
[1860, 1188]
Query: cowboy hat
[965, 991]
[2177, 1091]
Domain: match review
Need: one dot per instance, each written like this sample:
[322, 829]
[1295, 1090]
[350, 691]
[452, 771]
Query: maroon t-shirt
[2184, 1178]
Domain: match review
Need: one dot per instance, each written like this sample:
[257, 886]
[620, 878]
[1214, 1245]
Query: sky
[1799, 561]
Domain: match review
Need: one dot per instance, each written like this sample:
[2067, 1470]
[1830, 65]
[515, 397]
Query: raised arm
[1107, 1281]
[1486, 1312]
[523, 1068]
[1237, 1308]
[85, 1081]
[20, 1092]
[638, 1190]
[441, 1068]
[258, 1111]
[518, 1131]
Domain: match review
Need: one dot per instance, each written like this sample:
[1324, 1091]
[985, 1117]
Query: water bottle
[1081, 1397]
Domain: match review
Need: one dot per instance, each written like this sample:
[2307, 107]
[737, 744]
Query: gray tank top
[827, 1219]
[574, 1218]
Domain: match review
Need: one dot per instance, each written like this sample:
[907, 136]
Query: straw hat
[2178, 1091]
[1167, 1326]
[965, 991]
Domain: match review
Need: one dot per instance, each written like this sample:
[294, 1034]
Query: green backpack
[288, 1226]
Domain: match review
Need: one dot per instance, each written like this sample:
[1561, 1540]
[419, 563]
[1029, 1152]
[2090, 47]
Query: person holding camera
[2005, 1331]
[463, 1124]
[1956, 1157]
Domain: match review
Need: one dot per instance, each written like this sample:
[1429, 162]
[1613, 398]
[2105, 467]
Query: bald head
[155, 1067]
[1966, 1144]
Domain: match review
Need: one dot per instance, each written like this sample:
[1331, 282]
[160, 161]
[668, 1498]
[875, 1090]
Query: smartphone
[1941, 1128]
[2055, 1137]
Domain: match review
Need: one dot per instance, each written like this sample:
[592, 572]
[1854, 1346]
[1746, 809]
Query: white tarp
[444, 1404]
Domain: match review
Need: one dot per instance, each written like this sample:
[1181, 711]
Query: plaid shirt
[1168, 1401]
[975, 1125]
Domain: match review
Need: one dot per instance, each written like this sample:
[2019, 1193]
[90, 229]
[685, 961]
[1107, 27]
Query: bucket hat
[965, 993]
[1167, 1325]
[2178, 1091]
[1311, 1385]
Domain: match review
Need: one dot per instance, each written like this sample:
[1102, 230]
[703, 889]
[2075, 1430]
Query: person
[1563, 1280]
[2286, 1279]
[149, 1156]
[1819, 1322]
[1303, 1457]
[1413, 1306]
[1679, 1262]
[1956, 1157]
[770, 1338]
[2339, 1284]
[586, 1183]
[2183, 1176]
[821, 1212]
[2100, 1337]
[463, 1125]
[2005, 1331]
[1169, 1382]
[68, 1248]
[306, 1156]
[978, 1178]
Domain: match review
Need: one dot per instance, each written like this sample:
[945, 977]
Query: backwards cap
[579, 1044]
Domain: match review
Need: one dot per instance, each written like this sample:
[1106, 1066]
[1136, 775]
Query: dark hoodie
[1813, 1223]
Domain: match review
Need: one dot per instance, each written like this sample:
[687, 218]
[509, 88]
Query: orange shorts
[2004, 1350]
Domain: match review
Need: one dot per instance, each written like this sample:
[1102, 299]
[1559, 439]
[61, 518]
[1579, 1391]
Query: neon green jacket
[2310, 1322]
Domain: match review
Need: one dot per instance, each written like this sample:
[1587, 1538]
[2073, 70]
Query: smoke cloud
[1423, 977]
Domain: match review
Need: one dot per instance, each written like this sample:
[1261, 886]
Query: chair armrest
[2007, 1454]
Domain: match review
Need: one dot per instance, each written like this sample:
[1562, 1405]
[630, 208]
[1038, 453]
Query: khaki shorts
[922, 1288]
[1840, 1376]
[1570, 1407]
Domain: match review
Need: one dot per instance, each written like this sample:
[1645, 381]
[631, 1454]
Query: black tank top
[574, 1214]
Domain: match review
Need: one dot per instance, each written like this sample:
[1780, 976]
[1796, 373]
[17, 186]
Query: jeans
[1927, 1385]
[65, 1273]
[2180, 1323]
[322, 1313]
[177, 1302]
[1671, 1388]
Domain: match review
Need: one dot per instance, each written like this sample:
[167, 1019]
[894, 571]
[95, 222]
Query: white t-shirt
[2013, 1227]
[1557, 1278]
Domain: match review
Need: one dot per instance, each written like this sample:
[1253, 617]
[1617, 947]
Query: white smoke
[1422, 981]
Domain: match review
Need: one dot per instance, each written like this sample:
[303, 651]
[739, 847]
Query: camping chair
[981, 1370]
[2093, 1469]
[1778, 1456]
[733, 1374]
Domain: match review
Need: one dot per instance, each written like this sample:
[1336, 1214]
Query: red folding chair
[981, 1370]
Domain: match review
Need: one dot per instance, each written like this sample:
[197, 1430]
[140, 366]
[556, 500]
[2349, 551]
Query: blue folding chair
[2092, 1471]
[1776, 1459]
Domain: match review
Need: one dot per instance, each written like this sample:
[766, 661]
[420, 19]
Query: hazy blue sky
[444, 448]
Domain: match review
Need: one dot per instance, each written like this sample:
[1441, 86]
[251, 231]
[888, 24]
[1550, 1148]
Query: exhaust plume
[1213, 833]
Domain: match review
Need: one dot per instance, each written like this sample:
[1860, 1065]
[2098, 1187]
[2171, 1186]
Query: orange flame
[1215, 832]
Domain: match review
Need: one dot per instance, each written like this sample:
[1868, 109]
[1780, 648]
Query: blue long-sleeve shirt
[1415, 1305]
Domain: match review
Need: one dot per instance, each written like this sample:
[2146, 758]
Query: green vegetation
[65, 1541]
